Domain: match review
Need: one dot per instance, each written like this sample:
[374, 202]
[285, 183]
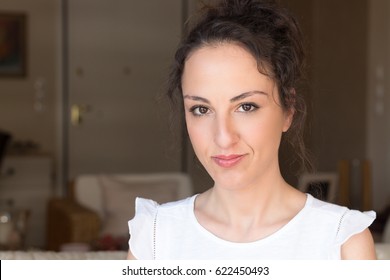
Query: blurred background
[81, 84]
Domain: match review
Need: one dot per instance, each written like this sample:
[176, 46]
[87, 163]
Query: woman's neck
[251, 204]
[248, 213]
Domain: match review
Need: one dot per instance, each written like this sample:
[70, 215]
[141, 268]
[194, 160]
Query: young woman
[235, 75]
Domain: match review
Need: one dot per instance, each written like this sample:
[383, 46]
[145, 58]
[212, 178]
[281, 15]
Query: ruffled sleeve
[141, 229]
[353, 222]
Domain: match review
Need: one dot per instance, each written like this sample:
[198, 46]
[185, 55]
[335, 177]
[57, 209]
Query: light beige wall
[349, 63]
[303, 12]
[18, 95]
[339, 81]
[378, 100]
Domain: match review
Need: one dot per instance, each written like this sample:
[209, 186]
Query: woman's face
[233, 115]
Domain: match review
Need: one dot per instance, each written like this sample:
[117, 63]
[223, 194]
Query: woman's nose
[226, 134]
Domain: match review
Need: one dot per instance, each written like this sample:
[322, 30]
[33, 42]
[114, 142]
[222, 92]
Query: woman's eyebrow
[197, 98]
[247, 94]
[234, 99]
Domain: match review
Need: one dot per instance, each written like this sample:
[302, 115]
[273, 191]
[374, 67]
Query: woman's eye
[199, 110]
[247, 107]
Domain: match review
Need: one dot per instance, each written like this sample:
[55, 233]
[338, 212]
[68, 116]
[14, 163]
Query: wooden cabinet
[27, 180]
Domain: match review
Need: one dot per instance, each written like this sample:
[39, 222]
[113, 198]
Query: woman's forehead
[226, 66]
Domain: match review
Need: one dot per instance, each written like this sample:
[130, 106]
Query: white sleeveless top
[171, 231]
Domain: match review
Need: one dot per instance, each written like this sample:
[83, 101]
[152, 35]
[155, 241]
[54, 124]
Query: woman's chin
[230, 182]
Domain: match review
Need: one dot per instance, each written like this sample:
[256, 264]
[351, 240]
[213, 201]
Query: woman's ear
[289, 117]
[290, 109]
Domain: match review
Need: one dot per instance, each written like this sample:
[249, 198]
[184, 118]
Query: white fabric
[171, 231]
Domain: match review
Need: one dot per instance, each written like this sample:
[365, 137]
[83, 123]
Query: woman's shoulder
[142, 227]
[325, 208]
[150, 207]
[147, 210]
[347, 222]
[332, 209]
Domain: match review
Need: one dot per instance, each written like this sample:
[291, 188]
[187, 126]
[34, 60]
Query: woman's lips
[227, 161]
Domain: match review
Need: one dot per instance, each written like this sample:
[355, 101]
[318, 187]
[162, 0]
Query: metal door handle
[76, 113]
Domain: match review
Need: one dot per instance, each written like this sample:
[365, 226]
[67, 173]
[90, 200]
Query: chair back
[94, 191]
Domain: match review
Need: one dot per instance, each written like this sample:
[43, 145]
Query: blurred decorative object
[13, 226]
[355, 184]
[321, 185]
[380, 225]
[24, 147]
[40, 86]
[13, 45]
[100, 206]
[75, 247]
[5, 138]
[21, 218]
[382, 251]
[6, 225]
[386, 232]
[27, 181]
[108, 242]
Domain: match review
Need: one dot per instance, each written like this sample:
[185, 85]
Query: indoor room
[85, 126]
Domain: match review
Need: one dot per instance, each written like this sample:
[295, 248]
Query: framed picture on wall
[13, 44]
[321, 185]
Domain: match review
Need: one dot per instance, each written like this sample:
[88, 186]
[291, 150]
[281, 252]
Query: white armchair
[112, 196]
[102, 204]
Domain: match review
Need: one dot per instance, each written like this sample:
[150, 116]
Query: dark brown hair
[267, 31]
